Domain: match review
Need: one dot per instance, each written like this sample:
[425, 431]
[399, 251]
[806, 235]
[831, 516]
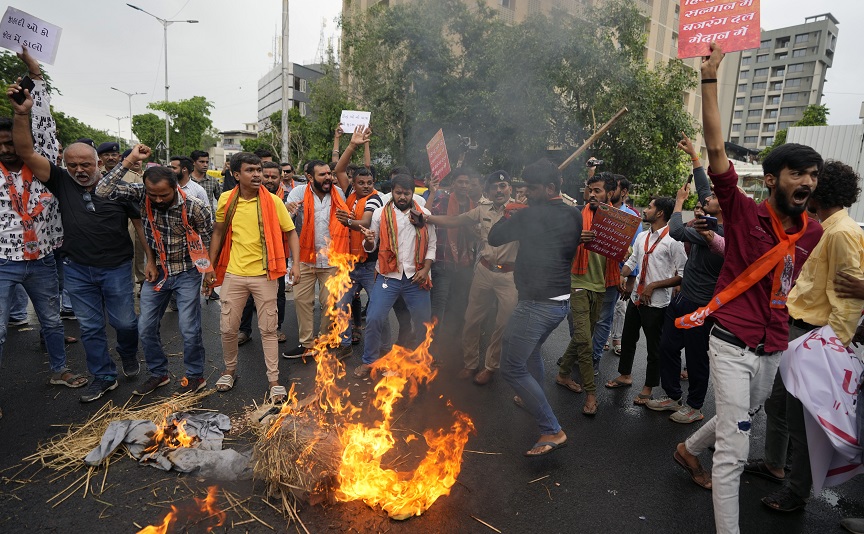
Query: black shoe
[298, 352]
[97, 388]
[151, 384]
[191, 385]
[131, 366]
[67, 315]
[213, 295]
[343, 351]
[243, 338]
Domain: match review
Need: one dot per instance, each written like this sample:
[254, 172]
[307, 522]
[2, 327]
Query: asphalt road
[616, 475]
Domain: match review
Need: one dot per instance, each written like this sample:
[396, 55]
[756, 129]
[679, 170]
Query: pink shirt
[748, 234]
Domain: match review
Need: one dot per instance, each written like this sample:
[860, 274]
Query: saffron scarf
[356, 238]
[197, 252]
[272, 237]
[643, 269]
[457, 238]
[338, 232]
[580, 261]
[19, 202]
[781, 259]
[388, 249]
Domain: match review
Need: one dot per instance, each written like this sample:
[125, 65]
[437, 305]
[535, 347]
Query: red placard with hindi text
[734, 25]
[613, 232]
[439, 161]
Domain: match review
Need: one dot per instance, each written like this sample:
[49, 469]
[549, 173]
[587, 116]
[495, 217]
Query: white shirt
[193, 189]
[322, 219]
[666, 261]
[406, 241]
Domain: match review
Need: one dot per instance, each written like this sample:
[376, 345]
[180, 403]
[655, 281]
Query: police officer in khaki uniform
[493, 278]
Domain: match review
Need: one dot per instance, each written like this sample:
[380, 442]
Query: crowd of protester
[86, 232]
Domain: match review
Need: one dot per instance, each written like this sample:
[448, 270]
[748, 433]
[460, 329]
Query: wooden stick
[105, 475]
[485, 523]
[590, 140]
[538, 479]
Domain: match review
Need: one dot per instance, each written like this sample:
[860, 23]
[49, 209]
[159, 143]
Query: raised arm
[42, 124]
[112, 186]
[337, 135]
[22, 140]
[718, 161]
[359, 137]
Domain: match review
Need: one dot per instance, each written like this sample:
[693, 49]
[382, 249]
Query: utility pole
[118, 125]
[286, 135]
[130, 95]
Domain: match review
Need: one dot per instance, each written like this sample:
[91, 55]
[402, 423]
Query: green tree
[814, 115]
[189, 120]
[149, 129]
[69, 129]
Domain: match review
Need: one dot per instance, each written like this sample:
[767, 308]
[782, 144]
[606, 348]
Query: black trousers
[650, 321]
[695, 342]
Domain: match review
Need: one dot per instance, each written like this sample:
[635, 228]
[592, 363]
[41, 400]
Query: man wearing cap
[493, 278]
[109, 156]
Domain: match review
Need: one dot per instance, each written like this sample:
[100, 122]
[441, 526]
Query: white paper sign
[19, 30]
[352, 119]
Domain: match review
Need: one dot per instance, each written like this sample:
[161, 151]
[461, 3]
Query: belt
[727, 336]
[502, 268]
[803, 325]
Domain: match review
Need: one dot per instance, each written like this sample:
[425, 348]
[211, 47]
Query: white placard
[19, 30]
[352, 119]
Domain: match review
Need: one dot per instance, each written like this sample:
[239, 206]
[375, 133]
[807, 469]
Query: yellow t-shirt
[247, 256]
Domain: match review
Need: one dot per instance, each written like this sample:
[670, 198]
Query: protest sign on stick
[20, 30]
[351, 119]
[613, 232]
[734, 25]
[439, 161]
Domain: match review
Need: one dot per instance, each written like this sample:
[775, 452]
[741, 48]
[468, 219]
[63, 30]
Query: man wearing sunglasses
[287, 177]
[97, 253]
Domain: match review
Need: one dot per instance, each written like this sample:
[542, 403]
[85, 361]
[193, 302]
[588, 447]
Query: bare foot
[557, 439]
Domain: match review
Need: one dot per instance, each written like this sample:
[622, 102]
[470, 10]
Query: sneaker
[151, 384]
[343, 352]
[191, 385]
[131, 366]
[243, 338]
[298, 352]
[97, 388]
[18, 322]
[686, 415]
[663, 404]
[67, 315]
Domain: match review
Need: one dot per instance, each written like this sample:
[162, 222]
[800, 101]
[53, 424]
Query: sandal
[281, 338]
[278, 394]
[616, 349]
[615, 383]
[590, 409]
[760, 469]
[69, 379]
[356, 336]
[568, 383]
[642, 399]
[698, 475]
[225, 383]
[784, 500]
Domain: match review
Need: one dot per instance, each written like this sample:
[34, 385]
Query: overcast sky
[105, 43]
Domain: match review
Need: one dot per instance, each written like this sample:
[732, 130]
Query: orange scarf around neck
[272, 237]
[356, 238]
[338, 232]
[781, 259]
[580, 261]
[388, 249]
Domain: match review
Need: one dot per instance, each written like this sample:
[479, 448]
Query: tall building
[776, 82]
[270, 90]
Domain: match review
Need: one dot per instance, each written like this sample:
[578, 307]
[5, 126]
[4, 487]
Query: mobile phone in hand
[711, 222]
[25, 83]
[690, 179]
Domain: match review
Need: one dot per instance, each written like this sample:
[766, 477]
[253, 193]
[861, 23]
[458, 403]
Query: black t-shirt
[99, 238]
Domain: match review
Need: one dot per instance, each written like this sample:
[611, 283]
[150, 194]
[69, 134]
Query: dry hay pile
[67, 451]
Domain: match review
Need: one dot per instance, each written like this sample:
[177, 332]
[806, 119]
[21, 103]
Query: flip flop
[615, 384]
[591, 412]
[554, 447]
[642, 399]
[694, 473]
[570, 384]
[759, 469]
[616, 349]
[518, 402]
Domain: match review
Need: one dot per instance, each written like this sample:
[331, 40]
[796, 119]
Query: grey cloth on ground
[207, 455]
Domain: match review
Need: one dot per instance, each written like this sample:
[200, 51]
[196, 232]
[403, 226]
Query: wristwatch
[350, 222]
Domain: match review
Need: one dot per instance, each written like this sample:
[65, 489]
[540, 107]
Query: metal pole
[167, 132]
[286, 135]
[130, 122]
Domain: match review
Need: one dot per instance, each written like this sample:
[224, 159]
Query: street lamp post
[130, 95]
[118, 125]
[165, 23]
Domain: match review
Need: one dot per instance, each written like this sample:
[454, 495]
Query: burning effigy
[321, 449]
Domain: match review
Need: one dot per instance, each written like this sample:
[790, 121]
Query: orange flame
[171, 435]
[205, 509]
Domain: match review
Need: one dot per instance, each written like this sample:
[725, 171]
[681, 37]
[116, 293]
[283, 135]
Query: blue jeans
[18, 308]
[604, 324]
[65, 299]
[381, 301]
[39, 278]
[95, 291]
[362, 277]
[186, 286]
[529, 326]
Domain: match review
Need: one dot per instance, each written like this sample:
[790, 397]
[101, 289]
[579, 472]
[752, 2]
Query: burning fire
[171, 435]
[205, 509]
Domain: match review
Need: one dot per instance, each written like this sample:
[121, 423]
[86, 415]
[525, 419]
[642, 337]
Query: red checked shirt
[748, 234]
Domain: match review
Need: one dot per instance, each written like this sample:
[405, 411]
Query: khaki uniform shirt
[485, 215]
